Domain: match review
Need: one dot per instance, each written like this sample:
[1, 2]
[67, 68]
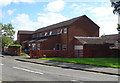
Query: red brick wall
[51, 53]
[83, 27]
[13, 51]
[96, 51]
[50, 43]
[24, 37]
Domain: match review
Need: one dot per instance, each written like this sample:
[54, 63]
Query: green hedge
[15, 46]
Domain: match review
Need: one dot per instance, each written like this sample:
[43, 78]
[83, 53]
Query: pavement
[97, 69]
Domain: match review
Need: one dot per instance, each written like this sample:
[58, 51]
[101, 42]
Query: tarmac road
[12, 70]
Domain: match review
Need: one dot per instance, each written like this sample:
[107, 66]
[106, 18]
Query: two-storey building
[61, 36]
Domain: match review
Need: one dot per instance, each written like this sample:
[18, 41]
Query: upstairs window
[46, 34]
[50, 33]
[37, 35]
[32, 36]
[58, 31]
[61, 31]
[40, 34]
[65, 30]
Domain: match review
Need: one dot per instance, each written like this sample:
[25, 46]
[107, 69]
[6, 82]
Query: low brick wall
[52, 53]
[13, 51]
[100, 51]
[89, 51]
[115, 53]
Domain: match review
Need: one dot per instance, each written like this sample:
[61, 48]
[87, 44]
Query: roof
[41, 40]
[90, 40]
[25, 32]
[32, 41]
[111, 37]
[58, 25]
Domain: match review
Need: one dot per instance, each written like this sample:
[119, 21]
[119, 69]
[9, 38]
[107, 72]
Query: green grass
[106, 62]
[24, 54]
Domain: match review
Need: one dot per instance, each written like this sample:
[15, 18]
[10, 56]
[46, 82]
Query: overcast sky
[35, 14]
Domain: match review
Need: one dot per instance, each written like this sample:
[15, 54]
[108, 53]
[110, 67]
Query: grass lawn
[106, 62]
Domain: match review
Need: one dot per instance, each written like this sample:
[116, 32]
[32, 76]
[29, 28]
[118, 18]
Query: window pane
[65, 30]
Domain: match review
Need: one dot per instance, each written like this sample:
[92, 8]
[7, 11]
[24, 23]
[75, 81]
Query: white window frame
[45, 33]
[65, 30]
[58, 31]
[33, 46]
[50, 33]
[64, 47]
[78, 47]
[61, 31]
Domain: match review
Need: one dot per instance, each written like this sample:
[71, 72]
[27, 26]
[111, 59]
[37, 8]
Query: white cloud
[50, 18]
[109, 27]
[79, 9]
[74, 5]
[105, 19]
[10, 12]
[102, 11]
[55, 6]
[1, 15]
[87, 9]
[23, 22]
[25, 1]
[101, 15]
[7, 2]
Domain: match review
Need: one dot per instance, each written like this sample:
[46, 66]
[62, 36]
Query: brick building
[60, 36]
[22, 36]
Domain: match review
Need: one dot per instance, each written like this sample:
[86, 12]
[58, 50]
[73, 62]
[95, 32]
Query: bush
[24, 54]
[15, 46]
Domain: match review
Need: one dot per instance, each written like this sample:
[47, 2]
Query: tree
[118, 28]
[6, 34]
[116, 5]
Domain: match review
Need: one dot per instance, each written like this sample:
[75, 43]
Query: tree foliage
[6, 34]
[116, 6]
[116, 10]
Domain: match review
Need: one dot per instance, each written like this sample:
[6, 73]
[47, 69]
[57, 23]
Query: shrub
[15, 46]
[24, 54]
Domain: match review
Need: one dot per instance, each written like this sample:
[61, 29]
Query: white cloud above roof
[102, 14]
[24, 22]
[50, 18]
[55, 6]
